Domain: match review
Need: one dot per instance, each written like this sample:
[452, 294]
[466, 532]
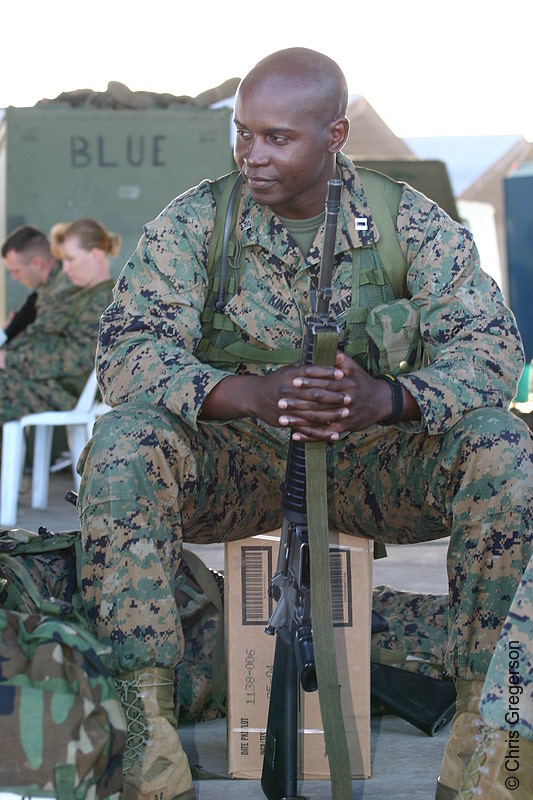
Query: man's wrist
[397, 399]
[231, 398]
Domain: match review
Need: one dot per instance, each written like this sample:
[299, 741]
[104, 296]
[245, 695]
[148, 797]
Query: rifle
[294, 660]
[427, 703]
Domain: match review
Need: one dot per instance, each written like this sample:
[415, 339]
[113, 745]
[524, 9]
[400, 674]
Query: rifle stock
[427, 703]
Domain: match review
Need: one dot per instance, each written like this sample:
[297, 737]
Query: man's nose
[256, 153]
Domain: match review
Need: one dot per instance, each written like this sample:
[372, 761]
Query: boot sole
[444, 792]
[188, 794]
[128, 793]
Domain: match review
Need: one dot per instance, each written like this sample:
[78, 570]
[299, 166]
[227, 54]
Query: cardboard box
[250, 653]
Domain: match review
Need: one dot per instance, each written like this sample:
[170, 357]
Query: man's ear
[338, 133]
[38, 263]
[44, 268]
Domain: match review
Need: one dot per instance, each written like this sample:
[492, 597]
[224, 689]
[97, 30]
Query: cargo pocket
[394, 341]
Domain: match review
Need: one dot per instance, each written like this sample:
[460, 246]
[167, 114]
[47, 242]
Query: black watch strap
[397, 399]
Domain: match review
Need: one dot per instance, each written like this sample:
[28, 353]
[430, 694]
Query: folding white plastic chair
[79, 423]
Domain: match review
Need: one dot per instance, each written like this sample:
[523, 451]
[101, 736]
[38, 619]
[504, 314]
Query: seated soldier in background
[46, 366]
[27, 258]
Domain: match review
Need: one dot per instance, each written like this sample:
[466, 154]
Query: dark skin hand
[317, 403]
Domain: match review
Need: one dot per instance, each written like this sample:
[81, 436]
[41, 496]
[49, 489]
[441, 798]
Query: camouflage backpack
[61, 724]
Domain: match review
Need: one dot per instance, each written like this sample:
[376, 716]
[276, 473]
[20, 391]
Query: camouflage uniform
[48, 364]
[154, 475]
[417, 626]
[507, 698]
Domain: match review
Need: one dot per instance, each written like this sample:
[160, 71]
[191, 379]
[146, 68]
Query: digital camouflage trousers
[20, 396]
[507, 697]
[150, 483]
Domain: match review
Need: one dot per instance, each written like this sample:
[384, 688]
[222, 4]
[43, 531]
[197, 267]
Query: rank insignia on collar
[361, 223]
[247, 224]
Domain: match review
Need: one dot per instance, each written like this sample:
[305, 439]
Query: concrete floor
[405, 762]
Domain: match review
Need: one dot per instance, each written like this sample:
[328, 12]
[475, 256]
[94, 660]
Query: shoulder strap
[225, 191]
[383, 196]
[221, 190]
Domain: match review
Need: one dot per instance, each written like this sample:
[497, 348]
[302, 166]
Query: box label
[341, 588]
[256, 573]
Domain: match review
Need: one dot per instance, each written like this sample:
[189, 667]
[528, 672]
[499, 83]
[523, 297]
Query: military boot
[501, 768]
[154, 763]
[462, 741]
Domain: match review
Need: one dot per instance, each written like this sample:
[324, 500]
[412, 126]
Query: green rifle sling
[321, 604]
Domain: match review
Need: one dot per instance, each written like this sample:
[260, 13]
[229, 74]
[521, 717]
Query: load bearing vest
[378, 276]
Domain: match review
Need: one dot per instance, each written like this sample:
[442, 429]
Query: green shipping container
[119, 166]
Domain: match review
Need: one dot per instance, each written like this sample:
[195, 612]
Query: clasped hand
[320, 403]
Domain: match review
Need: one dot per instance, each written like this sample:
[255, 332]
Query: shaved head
[320, 80]
[290, 120]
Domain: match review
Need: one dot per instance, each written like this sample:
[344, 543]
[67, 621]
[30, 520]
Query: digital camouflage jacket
[60, 344]
[149, 334]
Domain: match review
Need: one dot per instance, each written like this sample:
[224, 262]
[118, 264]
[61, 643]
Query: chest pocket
[260, 323]
[264, 309]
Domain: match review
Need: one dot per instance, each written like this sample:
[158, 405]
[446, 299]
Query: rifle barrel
[333, 203]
